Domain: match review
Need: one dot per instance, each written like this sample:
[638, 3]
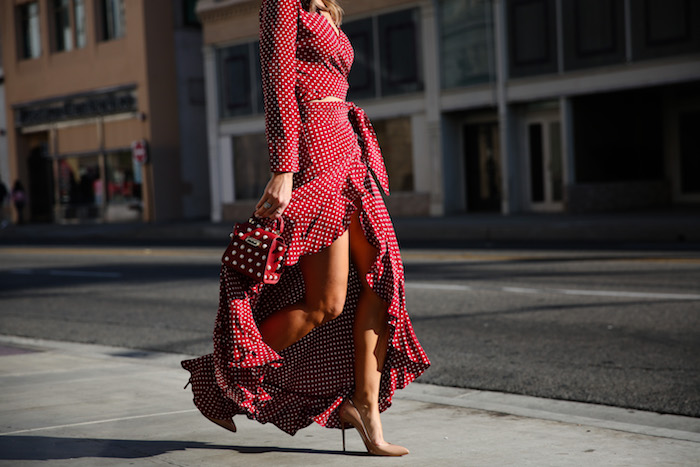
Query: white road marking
[95, 422]
[581, 292]
[417, 285]
[520, 290]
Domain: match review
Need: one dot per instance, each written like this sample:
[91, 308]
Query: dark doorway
[40, 184]
[483, 167]
[690, 152]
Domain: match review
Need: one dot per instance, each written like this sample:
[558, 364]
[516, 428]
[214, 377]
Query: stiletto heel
[349, 414]
[342, 428]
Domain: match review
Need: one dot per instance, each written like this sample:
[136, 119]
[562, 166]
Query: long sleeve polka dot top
[302, 59]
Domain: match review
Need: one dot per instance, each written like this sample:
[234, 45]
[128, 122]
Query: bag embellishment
[255, 251]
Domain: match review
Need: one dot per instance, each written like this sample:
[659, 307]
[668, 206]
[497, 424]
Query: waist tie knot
[371, 154]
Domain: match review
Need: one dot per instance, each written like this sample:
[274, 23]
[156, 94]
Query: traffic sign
[139, 152]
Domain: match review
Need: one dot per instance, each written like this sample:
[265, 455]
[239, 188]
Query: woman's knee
[328, 309]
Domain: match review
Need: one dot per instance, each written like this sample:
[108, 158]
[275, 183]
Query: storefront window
[251, 167]
[123, 180]
[79, 187]
[395, 139]
[100, 187]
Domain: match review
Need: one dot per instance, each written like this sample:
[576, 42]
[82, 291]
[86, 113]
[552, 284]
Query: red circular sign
[138, 151]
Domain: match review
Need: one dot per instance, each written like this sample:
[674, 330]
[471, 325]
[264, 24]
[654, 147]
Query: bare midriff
[328, 99]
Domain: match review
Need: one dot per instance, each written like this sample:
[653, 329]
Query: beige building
[488, 105]
[105, 108]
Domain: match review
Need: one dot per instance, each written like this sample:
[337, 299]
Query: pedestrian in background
[332, 341]
[19, 198]
[4, 192]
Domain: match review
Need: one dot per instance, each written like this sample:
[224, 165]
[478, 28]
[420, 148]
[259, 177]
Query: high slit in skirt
[307, 381]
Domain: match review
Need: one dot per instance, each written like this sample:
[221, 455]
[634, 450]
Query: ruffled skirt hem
[307, 381]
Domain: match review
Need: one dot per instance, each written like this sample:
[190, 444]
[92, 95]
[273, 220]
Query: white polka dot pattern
[307, 381]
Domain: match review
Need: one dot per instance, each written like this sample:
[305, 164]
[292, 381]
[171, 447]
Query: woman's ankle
[364, 401]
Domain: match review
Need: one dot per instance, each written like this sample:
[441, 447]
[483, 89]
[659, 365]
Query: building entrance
[482, 164]
[545, 163]
[689, 160]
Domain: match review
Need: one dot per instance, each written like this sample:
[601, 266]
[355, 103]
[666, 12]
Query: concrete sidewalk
[88, 405]
[671, 227]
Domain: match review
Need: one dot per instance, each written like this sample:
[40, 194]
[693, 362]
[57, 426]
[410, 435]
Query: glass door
[545, 164]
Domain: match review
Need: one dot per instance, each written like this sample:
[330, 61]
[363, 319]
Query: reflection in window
[190, 17]
[31, 36]
[397, 38]
[251, 169]
[664, 28]
[395, 139]
[532, 40]
[467, 42]
[399, 52]
[63, 36]
[79, 15]
[361, 79]
[123, 179]
[113, 19]
[239, 79]
[593, 33]
[234, 81]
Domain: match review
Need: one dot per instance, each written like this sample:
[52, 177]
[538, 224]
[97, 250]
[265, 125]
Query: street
[613, 327]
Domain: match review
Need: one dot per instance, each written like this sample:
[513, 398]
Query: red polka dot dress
[332, 149]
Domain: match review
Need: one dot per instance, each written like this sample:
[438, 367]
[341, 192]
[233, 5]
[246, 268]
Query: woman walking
[332, 341]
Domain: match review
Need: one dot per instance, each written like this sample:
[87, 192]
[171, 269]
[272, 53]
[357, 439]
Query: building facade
[105, 108]
[488, 105]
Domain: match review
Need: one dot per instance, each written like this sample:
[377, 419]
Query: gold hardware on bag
[253, 241]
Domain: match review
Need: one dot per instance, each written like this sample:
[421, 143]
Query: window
[189, 13]
[665, 27]
[68, 29]
[112, 19]
[251, 170]
[395, 138]
[361, 79]
[531, 37]
[29, 29]
[399, 54]
[63, 35]
[124, 179]
[397, 68]
[79, 18]
[467, 52]
[239, 80]
[593, 32]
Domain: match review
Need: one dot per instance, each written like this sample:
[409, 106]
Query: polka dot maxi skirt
[307, 381]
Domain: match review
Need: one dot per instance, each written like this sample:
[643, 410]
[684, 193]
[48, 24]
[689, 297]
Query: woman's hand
[276, 196]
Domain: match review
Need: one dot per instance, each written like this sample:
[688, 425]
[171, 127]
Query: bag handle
[280, 222]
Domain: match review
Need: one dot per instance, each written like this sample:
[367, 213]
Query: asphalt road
[613, 327]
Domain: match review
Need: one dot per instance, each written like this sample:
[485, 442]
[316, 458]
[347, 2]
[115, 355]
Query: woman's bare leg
[326, 280]
[370, 336]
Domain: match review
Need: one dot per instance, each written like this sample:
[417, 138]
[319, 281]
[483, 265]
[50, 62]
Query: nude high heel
[226, 424]
[349, 414]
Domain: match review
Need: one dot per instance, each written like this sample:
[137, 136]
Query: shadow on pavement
[18, 447]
